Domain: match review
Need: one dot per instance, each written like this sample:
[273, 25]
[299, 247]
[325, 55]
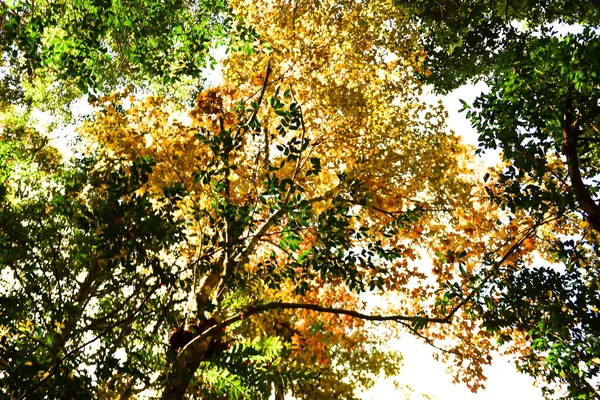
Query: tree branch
[571, 135]
[190, 356]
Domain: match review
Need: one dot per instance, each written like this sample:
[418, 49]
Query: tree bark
[570, 141]
[183, 369]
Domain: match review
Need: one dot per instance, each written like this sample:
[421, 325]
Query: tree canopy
[56, 51]
[224, 247]
[541, 109]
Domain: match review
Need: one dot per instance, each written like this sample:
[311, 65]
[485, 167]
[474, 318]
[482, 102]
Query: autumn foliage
[245, 245]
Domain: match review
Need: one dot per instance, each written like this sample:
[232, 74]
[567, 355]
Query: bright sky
[425, 376]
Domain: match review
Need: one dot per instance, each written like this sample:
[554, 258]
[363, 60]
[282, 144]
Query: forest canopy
[219, 242]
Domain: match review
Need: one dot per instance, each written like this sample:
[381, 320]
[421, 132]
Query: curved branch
[189, 358]
[569, 149]
[191, 351]
[516, 245]
[245, 255]
[261, 94]
[251, 310]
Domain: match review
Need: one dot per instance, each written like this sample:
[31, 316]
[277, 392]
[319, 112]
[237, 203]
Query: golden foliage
[350, 67]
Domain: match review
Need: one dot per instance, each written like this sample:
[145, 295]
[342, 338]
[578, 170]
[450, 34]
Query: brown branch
[262, 93]
[230, 265]
[299, 161]
[250, 310]
[571, 135]
[244, 256]
[255, 237]
[497, 265]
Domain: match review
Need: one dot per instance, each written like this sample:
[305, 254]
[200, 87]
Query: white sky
[428, 377]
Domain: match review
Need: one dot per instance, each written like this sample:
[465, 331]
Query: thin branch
[523, 233]
[302, 138]
[173, 168]
[481, 285]
[262, 93]
[250, 310]
[54, 369]
[429, 341]
[245, 254]
[196, 348]
[229, 265]
[190, 356]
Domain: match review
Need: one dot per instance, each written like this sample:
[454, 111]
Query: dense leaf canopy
[541, 108]
[464, 38]
[224, 247]
[55, 51]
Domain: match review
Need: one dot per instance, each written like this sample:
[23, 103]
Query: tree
[113, 251]
[551, 91]
[541, 111]
[225, 249]
[464, 38]
[78, 262]
[315, 174]
[292, 154]
[55, 51]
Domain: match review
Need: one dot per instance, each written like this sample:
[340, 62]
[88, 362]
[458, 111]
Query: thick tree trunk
[183, 369]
